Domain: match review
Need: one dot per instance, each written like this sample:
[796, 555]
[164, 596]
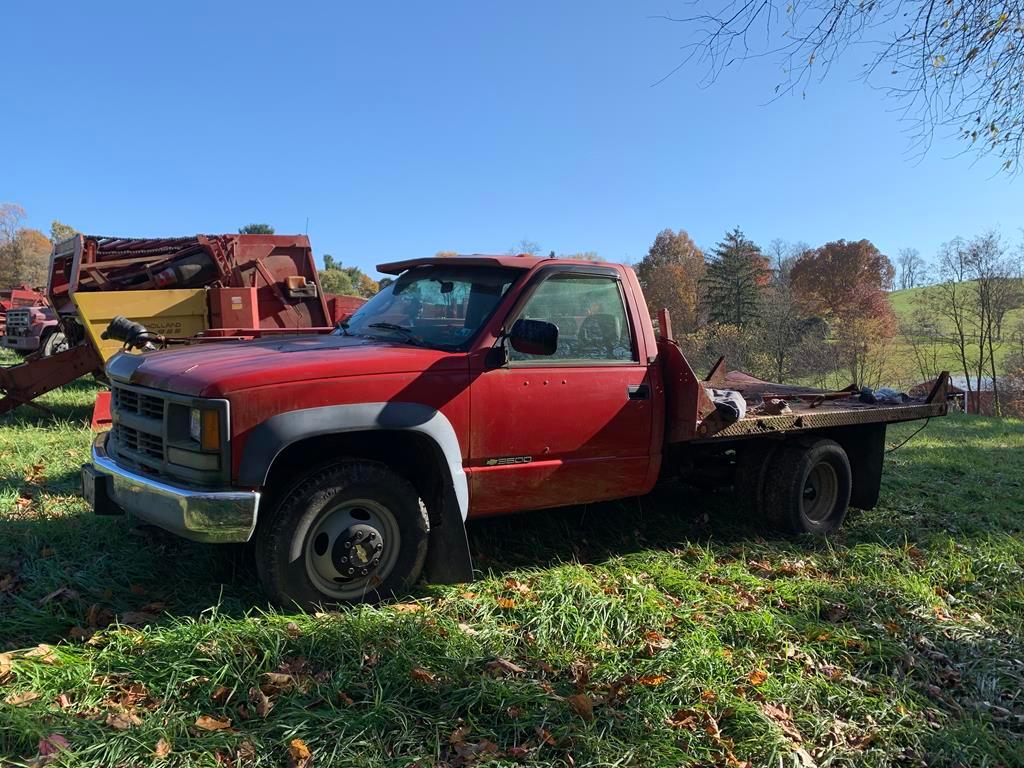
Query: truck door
[569, 428]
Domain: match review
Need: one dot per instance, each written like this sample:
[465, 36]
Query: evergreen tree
[736, 276]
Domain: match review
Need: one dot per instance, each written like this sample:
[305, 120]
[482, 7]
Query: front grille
[141, 442]
[139, 427]
[150, 426]
[18, 320]
[127, 401]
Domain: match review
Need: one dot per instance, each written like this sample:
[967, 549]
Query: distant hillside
[905, 303]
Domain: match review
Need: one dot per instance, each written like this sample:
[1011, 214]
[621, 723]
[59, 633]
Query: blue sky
[400, 129]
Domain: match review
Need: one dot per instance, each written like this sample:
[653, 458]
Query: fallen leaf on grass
[651, 680]
[63, 701]
[299, 755]
[546, 737]
[97, 616]
[782, 717]
[655, 642]
[220, 694]
[42, 653]
[208, 723]
[500, 667]
[506, 603]
[122, 721]
[467, 629]
[422, 675]
[52, 744]
[407, 608]
[517, 586]
[64, 593]
[22, 699]
[582, 705]
[708, 696]
[5, 666]
[757, 676]
[162, 749]
[245, 752]
[683, 718]
[261, 700]
[835, 613]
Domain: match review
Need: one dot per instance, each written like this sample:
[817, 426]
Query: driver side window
[590, 316]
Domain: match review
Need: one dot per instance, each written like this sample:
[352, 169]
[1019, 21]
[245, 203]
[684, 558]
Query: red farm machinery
[201, 287]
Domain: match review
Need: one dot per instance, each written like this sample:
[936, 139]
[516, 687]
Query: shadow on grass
[71, 403]
[106, 564]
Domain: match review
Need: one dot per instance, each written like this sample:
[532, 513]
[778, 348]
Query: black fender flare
[448, 557]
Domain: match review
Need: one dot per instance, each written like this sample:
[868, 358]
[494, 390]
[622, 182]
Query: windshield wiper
[409, 334]
[343, 325]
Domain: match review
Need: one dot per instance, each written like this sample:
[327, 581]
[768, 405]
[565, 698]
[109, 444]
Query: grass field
[663, 631]
[905, 303]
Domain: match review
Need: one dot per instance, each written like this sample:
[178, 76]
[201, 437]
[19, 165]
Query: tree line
[824, 315]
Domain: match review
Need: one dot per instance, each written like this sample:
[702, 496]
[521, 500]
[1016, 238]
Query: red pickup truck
[469, 386]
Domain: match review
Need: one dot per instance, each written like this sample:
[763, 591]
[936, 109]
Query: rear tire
[807, 489]
[347, 532]
[752, 463]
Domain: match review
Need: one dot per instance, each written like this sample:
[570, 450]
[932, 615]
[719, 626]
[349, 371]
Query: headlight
[204, 428]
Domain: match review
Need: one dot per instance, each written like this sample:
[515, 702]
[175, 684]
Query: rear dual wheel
[800, 488]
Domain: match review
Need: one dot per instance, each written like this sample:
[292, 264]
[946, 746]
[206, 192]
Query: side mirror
[534, 337]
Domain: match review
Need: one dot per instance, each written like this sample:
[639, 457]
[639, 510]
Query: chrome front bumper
[209, 516]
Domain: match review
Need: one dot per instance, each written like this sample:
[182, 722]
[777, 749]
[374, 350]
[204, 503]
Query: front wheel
[807, 489]
[348, 532]
[55, 343]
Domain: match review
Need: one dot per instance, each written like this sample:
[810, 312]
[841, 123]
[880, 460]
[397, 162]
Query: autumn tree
[736, 276]
[844, 282]
[340, 280]
[256, 229]
[950, 65]
[25, 259]
[670, 275]
[582, 256]
[59, 231]
[24, 253]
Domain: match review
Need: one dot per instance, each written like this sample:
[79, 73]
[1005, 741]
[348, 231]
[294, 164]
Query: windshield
[433, 306]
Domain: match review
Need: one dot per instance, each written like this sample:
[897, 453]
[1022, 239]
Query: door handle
[638, 392]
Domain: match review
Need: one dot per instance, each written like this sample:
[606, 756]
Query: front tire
[807, 489]
[55, 343]
[347, 532]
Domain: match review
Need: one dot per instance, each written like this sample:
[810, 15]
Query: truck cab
[30, 329]
[469, 386]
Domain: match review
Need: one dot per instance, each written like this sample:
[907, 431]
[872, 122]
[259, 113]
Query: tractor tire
[346, 532]
[807, 488]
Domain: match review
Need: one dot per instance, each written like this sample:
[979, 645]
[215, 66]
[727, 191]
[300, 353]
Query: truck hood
[217, 368]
